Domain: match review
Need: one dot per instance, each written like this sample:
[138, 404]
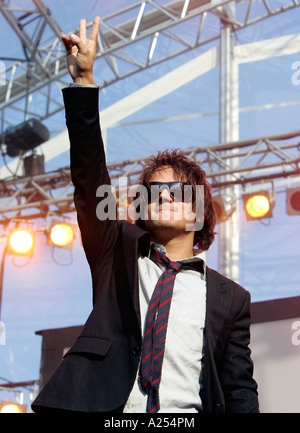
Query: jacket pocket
[90, 345]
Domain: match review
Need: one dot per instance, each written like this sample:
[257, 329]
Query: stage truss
[261, 161]
[130, 41]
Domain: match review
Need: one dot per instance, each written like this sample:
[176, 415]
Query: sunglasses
[178, 191]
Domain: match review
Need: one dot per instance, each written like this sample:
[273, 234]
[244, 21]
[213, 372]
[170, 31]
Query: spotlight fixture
[224, 207]
[61, 234]
[9, 406]
[258, 205]
[24, 137]
[21, 242]
[293, 201]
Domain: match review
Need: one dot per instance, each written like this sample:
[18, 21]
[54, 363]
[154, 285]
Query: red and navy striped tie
[156, 330]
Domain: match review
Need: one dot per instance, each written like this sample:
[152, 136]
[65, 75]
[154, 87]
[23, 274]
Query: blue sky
[53, 289]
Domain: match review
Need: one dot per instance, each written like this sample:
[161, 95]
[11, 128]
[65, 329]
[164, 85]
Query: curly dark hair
[189, 171]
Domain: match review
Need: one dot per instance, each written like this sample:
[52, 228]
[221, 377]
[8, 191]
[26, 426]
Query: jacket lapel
[219, 299]
[135, 242]
[218, 305]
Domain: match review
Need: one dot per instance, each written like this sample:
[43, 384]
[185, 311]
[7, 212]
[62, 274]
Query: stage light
[293, 201]
[24, 137]
[62, 234]
[21, 241]
[219, 209]
[258, 205]
[9, 406]
[224, 207]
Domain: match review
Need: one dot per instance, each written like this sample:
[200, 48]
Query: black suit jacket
[98, 372]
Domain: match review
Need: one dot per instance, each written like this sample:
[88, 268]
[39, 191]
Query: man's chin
[163, 224]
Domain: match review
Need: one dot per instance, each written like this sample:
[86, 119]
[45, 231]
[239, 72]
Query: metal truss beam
[264, 159]
[260, 159]
[130, 41]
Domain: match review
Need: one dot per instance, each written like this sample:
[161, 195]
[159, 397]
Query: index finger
[95, 29]
[66, 41]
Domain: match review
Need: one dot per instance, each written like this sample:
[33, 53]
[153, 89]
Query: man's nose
[165, 195]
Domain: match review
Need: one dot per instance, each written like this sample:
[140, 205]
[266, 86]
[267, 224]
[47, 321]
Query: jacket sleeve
[89, 173]
[239, 386]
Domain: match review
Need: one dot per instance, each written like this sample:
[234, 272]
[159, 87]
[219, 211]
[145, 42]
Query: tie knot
[161, 258]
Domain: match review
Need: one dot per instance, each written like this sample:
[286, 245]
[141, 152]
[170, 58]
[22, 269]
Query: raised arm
[88, 163]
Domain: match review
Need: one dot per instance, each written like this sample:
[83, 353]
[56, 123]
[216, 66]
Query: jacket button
[136, 351]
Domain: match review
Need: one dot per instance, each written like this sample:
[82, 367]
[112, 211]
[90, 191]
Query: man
[166, 333]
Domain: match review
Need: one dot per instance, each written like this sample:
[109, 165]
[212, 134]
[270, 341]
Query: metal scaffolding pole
[229, 131]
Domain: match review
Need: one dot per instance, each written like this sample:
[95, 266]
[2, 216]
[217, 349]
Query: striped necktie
[156, 329]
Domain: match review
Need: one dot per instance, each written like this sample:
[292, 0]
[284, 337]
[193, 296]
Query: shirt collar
[198, 256]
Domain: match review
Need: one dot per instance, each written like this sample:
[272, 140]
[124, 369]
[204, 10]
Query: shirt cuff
[83, 85]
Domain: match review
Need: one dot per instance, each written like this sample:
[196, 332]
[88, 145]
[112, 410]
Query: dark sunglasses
[179, 191]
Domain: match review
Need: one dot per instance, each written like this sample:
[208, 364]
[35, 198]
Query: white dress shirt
[181, 370]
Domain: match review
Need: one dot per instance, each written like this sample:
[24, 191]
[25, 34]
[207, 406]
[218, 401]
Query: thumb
[78, 42]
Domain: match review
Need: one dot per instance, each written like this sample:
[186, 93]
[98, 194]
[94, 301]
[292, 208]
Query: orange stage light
[62, 235]
[258, 205]
[21, 242]
[12, 407]
[293, 201]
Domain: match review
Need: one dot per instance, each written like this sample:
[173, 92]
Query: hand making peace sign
[81, 52]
